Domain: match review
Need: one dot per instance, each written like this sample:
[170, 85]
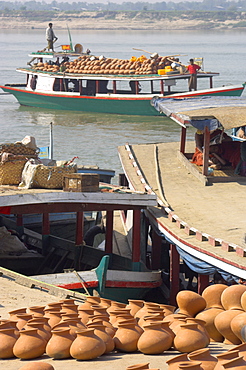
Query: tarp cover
[229, 111]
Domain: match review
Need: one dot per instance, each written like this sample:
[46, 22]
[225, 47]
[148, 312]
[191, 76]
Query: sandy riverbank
[15, 296]
[121, 21]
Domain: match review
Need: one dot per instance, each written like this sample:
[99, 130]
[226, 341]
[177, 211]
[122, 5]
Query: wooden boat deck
[209, 219]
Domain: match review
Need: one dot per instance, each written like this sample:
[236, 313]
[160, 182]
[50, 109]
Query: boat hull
[130, 105]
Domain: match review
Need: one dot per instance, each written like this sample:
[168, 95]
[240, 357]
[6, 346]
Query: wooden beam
[136, 236]
[202, 282]
[79, 228]
[206, 151]
[174, 274]
[183, 140]
[109, 232]
[156, 251]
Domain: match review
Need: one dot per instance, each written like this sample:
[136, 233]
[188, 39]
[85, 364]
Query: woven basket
[50, 177]
[10, 172]
[18, 148]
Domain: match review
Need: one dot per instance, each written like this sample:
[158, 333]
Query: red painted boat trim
[117, 98]
[73, 286]
[113, 284]
[229, 262]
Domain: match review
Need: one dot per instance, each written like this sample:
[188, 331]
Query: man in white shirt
[50, 37]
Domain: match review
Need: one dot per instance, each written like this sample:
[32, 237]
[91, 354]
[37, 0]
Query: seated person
[132, 85]
[33, 82]
[216, 136]
[239, 132]
[231, 153]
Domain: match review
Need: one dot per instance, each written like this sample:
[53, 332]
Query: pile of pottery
[65, 329]
[108, 66]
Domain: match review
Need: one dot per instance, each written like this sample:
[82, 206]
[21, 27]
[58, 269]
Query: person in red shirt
[192, 68]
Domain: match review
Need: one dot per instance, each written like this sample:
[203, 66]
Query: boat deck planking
[215, 211]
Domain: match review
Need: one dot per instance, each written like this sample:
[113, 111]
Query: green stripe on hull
[97, 104]
[85, 104]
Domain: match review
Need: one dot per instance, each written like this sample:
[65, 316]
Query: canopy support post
[183, 140]
[174, 274]
[206, 151]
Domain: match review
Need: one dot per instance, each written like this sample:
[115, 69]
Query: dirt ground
[15, 296]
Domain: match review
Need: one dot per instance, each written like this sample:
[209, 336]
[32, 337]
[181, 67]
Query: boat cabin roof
[109, 77]
[207, 111]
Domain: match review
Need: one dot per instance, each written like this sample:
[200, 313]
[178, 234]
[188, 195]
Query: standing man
[50, 37]
[192, 69]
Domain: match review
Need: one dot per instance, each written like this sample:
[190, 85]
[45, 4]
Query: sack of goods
[38, 175]
[13, 157]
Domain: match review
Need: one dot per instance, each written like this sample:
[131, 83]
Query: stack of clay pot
[109, 66]
[65, 329]
[225, 315]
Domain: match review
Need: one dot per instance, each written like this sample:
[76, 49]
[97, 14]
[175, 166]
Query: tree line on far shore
[217, 6]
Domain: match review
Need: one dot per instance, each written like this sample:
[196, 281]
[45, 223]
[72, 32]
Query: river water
[94, 138]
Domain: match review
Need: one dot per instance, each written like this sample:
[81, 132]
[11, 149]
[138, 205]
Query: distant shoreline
[122, 21]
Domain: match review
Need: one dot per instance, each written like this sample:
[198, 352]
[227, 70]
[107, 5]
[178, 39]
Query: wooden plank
[32, 283]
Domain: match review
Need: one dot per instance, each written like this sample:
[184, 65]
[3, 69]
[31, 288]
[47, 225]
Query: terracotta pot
[135, 305]
[87, 345]
[223, 357]
[44, 320]
[237, 324]
[13, 313]
[54, 318]
[53, 306]
[150, 318]
[99, 310]
[37, 366]
[243, 301]
[59, 344]
[190, 303]
[173, 362]
[236, 363]
[100, 331]
[84, 314]
[72, 325]
[208, 316]
[29, 345]
[126, 337]
[154, 340]
[39, 325]
[241, 348]
[22, 319]
[91, 300]
[144, 310]
[69, 309]
[115, 315]
[8, 339]
[208, 362]
[194, 365]
[37, 311]
[67, 301]
[201, 326]
[212, 295]
[70, 316]
[167, 309]
[108, 327]
[196, 338]
[231, 297]
[105, 302]
[9, 324]
[222, 323]
[138, 366]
